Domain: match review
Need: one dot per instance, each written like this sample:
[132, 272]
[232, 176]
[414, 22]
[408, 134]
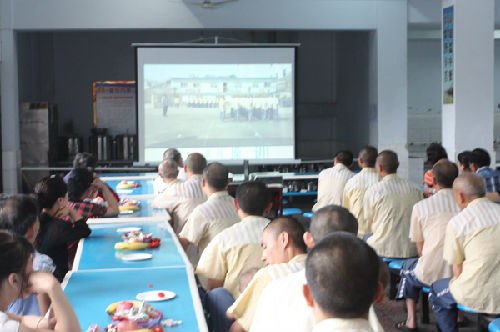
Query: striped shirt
[159, 186]
[243, 309]
[343, 325]
[472, 239]
[331, 183]
[389, 204]
[428, 224]
[233, 251]
[354, 192]
[209, 219]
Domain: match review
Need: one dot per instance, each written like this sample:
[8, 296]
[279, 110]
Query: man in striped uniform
[355, 188]
[471, 245]
[331, 181]
[181, 197]
[213, 216]
[158, 183]
[233, 251]
[429, 220]
[284, 252]
[388, 206]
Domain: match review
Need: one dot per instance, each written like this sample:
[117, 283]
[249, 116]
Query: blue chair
[396, 264]
[494, 326]
[425, 305]
[285, 202]
[291, 211]
[465, 309]
[308, 214]
[394, 276]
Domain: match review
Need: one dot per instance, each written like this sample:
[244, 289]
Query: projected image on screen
[244, 108]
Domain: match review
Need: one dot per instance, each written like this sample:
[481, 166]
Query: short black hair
[216, 176]
[465, 159]
[389, 161]
[345, 157]
[342, 274]
[18, 213]
[172, 153]
[435, 152]
[15, 252]
[445, 172]
[253, 197]
[50, 188]
[332, 218]
[85, 160]
[480, 157]
[79, 181]
[369, 155]
[195, 162]
[292, 227]
[168, 169]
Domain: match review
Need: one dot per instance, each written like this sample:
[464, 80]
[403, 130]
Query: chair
[291, 211]
[494, 326]
[394, 277]
[308, 214]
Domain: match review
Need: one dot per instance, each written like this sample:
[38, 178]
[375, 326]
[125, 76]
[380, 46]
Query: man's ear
[307, 295]
[203, 182]
[235, 202]
[185, 168]
[284, 239]
[360, 162]
[379, 295]
[308, 239]
[268, 208]
[434, 182]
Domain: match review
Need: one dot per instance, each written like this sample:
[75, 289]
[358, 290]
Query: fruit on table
[113, 307]
[127, 325]
[131, 246]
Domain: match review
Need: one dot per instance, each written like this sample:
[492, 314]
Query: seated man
[480, 164]
[175, 155]
[237, 248]
[355, 188]
[388, 206]
[331, 181]
[284, 253]
[435, 152]
[282, 306]
[216, 214]
[342, 283]
[471, 245]
[181, 197]
[428, 228]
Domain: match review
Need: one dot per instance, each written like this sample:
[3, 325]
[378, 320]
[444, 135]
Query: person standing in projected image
[164, 101]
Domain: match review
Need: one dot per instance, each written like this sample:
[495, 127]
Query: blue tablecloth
[146, 187]
[121, 175]
[91, 292]
[98, 252]
[145, 211]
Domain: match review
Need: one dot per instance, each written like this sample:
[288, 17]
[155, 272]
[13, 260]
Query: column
[467, 75]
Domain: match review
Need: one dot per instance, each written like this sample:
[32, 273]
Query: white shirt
[282, 307]
[331, 183]
[159, 186]
[7, 324]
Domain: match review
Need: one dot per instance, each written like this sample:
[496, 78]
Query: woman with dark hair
[60, 225]
[463, 161]
[435, 152]
[17, 279]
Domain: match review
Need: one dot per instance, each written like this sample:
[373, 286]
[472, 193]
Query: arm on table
[113, 209]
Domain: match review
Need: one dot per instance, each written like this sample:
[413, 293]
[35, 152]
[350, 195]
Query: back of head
[292, 227]
[345, 157]
[369, 155]
[216, 176]
[79, 181]
[173, 154]
[470, 184]
[332, 218]
[465, 159]
[480, 157]
[435, 152]
[18, 213]
[195, 163]
[253, 197]
[342, 274]
[168, 169]
[445, 173]
[389, 161]
[50, 188]
[85, 160]
[15, 251]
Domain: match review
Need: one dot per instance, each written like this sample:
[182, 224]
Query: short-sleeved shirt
[209, 219]
[233, 251]
[7, 324]
[491, 178]
[343, 325]
[180, 198]
[429, 220]
[159, 186]
[331, 183]
[389, 204]
[282, 307]
[243, 309]
[354, 192]
[473, 239]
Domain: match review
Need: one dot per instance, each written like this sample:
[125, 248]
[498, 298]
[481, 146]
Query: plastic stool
[494, 326]
[291, 211]
[396, 264]
[465, 309]
[308, 214]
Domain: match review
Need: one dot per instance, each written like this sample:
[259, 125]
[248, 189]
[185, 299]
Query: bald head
[369, 156]
[332, 218]
[195, 163]
[216, 176]
[174, 154]
[168, 169]
[444, 173]
[388, 160]
[469, 185]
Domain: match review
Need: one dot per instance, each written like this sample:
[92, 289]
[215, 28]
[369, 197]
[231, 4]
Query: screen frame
[294, 46]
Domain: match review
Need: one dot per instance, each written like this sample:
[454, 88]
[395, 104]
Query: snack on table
[129, 205]
[132, 315]
[127, 185]
[137, 240]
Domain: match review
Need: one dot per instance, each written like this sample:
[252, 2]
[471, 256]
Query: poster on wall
[114, 105]
[448, 67]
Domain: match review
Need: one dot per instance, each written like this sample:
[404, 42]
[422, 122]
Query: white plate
[128, 229]
[137, 257]
[155, 296]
